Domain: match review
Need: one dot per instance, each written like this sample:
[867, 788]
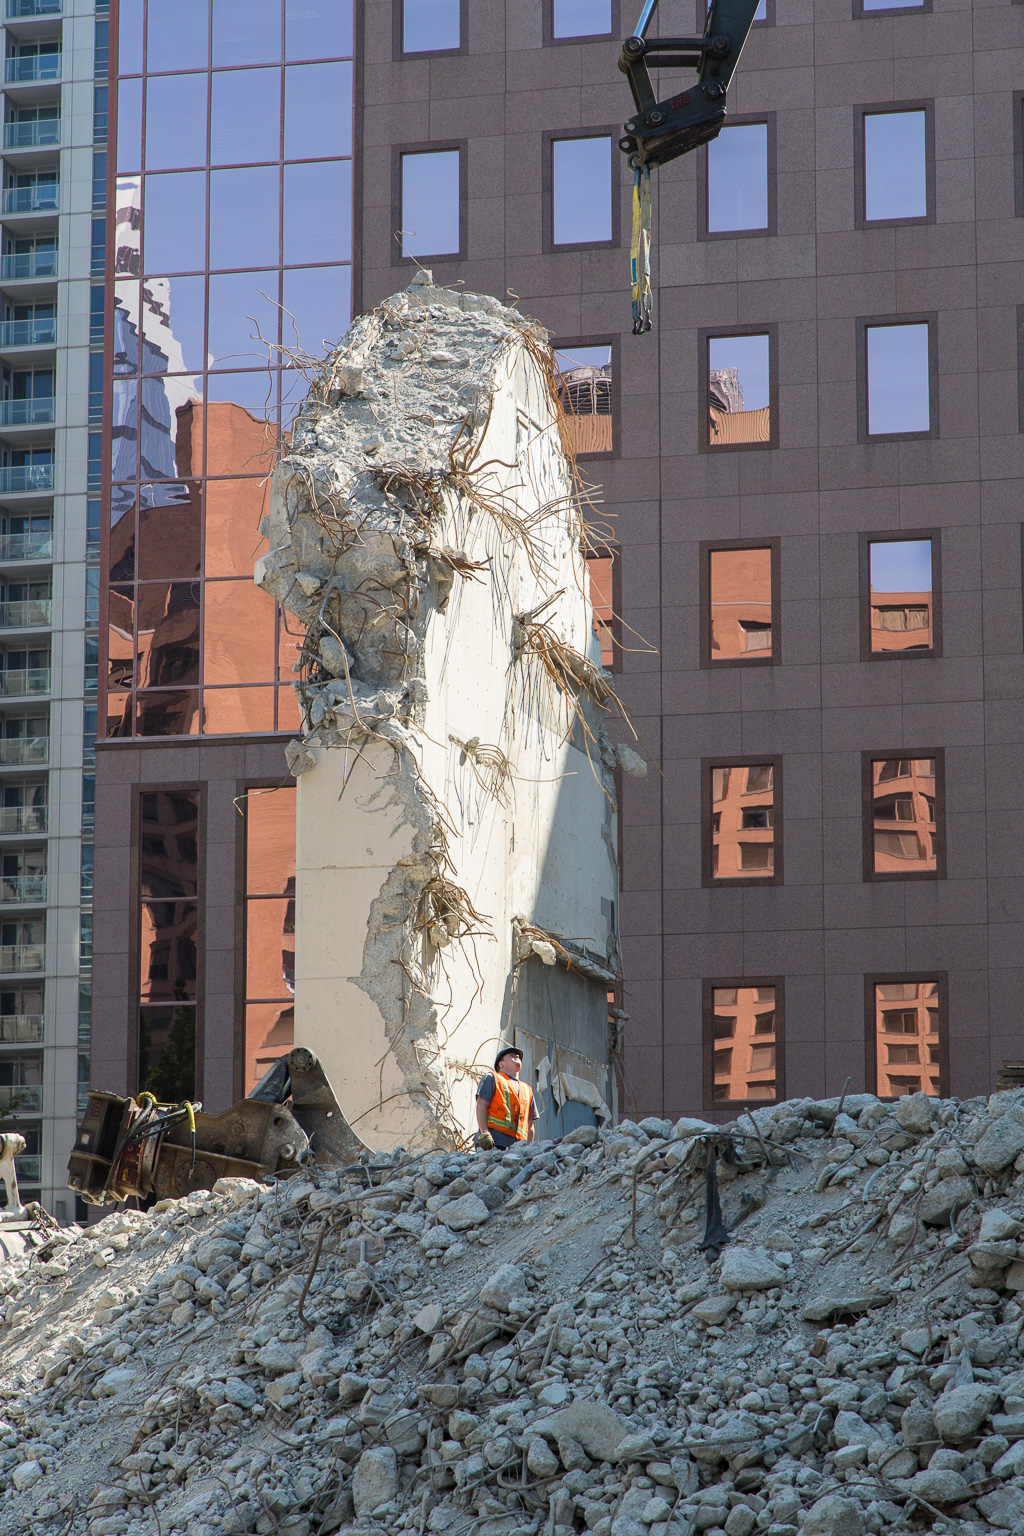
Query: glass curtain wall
[231, 260]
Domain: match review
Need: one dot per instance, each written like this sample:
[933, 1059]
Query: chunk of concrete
[834, 1516]
[917, 1113]
[376, 1479]
[997, 1147]
[959, 1411]
[947, 1199]
[750, 1269]
[503, 1288]
[465, 1212]
[595, 1426]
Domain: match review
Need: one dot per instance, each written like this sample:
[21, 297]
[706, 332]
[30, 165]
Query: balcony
[23, 818]
[26, 546]
[23, 69]
[18, 10]
[28, 614]
[26, 477]
[37, 332]
[19, 265]
[22, 888]
[21, 1099]
[16, 959]
[44, 198]
[15, 751]
[25, 413]
[29, 1168]
[21, 1029]
[21, 681]
[35, 134]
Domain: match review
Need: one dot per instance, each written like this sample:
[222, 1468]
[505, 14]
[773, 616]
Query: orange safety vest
[509, 1109]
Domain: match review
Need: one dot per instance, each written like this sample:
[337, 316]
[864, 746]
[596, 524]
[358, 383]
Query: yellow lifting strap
[640, 250]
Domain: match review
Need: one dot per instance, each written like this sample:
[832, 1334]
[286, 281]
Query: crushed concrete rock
[331, 1354]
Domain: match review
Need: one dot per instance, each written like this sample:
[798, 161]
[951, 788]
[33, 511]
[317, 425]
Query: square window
[581, 18]
[739, 601]
[900, 606]
[430, 203]
[737, 180]
[430, 26]
[585, 379]
[897, 374]
[581, 191]
[895, 176]
[873, 7]
[739, 388]
[742, 821]
[904, 822]
[906, 1034]
[747, 1014]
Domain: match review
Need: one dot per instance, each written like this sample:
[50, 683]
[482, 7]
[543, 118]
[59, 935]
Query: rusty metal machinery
[137, 1147]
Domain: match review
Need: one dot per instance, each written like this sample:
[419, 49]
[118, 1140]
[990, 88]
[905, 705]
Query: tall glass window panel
[738, 179]
[901, 594]
[430, 26]
[740, 592]
[585, 395]
[907, 1038]
[129, 37]
[903, 815]
[246, 32]
[581, 18]
[234, 509]
[243, 307]
[743, 822]
[898, 387]
[178, 35]
[739, 390]
[238, 634]
[600, 569]
[168, 940]
[318, 29]
[245, 116]
[238, 711]
[581, 191]
[170, 518]
[318, 211]
[173, 319]
[744, 1044]
[237, 238]
[317, 110]
[317, 308]
[270, 928]
[175, 122]
[174, 222]
[430, 203]
[129, 126]
[895, 166]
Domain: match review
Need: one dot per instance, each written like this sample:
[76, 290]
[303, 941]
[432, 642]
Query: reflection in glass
[243, 306]
[903, 815]
[901, 594]
[740, 588]
[167, 950]
[175, 122]
[318, 29]
[168, 847]
[429, 26]
[173, 312]
[234, 509]
[124, 428]
[289, 649]
[270, 847]
[288, 714]
[581, 191]
[129, 126]
[600, 570]
[743, 823]
[174, 237]
[167, 1052]
[738, 178]
[585, 395]
[246, 32]
[581, 18]
[316, 95]
[895, 166]
[178, 35]
[129, 37]
[238, 640]
[738, 390]
[237, 711]
[744, 1066]
[167, 633]
[119, 713]
[317, 307]
[318, 210]
[897, 378]
[170, 518]
[270, 927]
[430, 203]
[245, 116]
[237, 239]
[906, 1038]
[168, 714]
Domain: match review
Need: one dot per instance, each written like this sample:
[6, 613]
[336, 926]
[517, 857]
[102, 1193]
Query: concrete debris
[329, 1354]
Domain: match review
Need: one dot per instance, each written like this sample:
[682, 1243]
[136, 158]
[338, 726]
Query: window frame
[888, 109]
[708, 988]
[1020, 333]
[707, 549]
[430, 147]
[714, 882]
[608, 550]
[706, 334]
[899, 536]
[863, 324]
[548, 139]
[398, 54]
[243, 788]
[549, 39]
[882, 978]
[870, 873]
[561, 344]
[740, 120]
[925, 9]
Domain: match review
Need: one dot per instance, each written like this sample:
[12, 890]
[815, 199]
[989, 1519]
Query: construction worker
[505, 1108]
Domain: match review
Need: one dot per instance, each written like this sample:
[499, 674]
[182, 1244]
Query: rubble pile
[532, 1343]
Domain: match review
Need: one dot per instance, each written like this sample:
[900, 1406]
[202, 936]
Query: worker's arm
[481, 1113]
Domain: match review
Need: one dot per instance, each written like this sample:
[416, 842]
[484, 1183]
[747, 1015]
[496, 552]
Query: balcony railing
[26, 477]
[26, 546]
[18, 958]
[25, 264]
[21, 1099]
[22, 69]
[15, 750]
[27, 614]
[21, 888]
[42, 198]
[19, 681]
[19, 8]
[21, 1028]
[25, 413]
[29, 1168]
[37, 332]
[33, 134]
[23, 818]
[84, 1029]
